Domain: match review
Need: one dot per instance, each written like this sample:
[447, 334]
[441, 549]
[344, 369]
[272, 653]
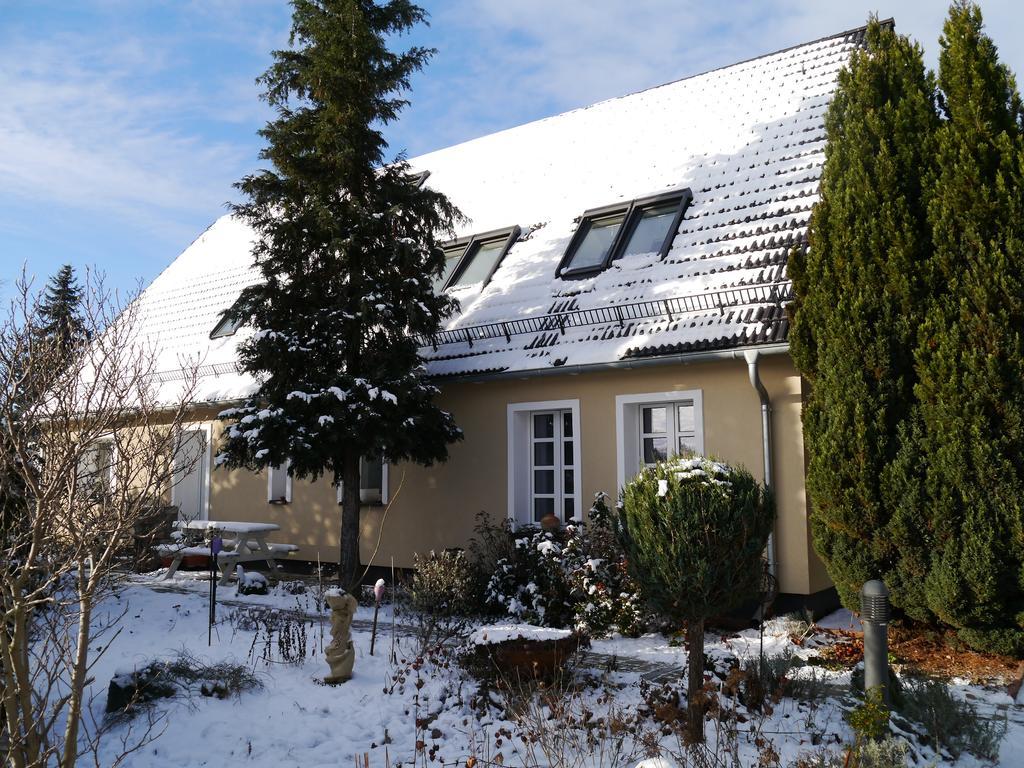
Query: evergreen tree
[858, 308]
[971, 352]
[694, 532]
[348, 245]
[60, 312]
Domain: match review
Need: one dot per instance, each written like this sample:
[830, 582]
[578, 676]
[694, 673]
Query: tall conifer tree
[347, 247]
[60, 312]
[971, 355]
[857, 313]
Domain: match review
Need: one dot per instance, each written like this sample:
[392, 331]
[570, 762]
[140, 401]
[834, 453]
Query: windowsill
[279, 502]
[572, 274]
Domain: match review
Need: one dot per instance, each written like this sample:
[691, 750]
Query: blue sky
[124, 123]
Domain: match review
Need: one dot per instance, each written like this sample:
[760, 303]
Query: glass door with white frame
[190, 492]
[553, 471]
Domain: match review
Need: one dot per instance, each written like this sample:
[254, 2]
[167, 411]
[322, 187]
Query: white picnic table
[243, 543]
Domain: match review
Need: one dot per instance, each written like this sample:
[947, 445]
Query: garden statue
[340, 654]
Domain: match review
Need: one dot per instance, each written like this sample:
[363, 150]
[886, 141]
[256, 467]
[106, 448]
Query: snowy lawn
[428, 710]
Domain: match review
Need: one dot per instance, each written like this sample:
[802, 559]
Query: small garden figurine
[340, 654]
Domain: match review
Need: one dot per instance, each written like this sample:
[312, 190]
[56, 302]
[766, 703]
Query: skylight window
[452, 256]
[647, 225]
[473, 260]
[225, 327]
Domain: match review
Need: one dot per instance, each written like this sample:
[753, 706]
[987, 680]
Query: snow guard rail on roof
[764, 293]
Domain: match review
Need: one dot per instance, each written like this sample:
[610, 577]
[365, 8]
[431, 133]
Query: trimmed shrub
[1007, 642]
[694, 531]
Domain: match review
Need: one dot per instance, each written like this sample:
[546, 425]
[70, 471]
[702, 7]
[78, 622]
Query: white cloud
[94, 128]
[540, 57]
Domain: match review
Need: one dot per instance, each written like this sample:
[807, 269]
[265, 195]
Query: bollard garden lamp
[874, 614]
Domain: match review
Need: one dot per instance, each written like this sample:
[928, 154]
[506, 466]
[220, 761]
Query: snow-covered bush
[574, 577]
[444, 584]
[605, 597]
[531, 583]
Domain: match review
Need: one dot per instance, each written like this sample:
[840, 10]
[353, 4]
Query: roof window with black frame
[226, 326]
[644, 225]
[473, 260]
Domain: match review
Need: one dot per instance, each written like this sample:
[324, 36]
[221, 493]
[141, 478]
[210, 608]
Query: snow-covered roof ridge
[747, 140]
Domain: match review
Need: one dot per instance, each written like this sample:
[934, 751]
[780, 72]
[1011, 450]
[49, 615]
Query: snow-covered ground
[296, 720]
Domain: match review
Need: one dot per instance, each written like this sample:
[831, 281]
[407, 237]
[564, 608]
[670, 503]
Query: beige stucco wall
[435, 507]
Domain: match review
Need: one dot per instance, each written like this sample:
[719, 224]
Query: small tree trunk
[348, 563]
[695, 681]
[79, 672]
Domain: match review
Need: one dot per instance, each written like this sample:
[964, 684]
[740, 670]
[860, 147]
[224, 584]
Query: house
[623, 287]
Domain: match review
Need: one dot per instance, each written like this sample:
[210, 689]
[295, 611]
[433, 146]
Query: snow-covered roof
[747, 140]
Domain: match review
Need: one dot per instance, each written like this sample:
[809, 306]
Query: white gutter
[684, 358]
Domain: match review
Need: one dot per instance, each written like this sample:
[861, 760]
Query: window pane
[596, 243]
[687, 445]
[655, 449]
[687, 420]
[567, 424]
[544, 454]
[371, 473]
[567, 453]
[544, 481]
[226, 327]
[278, 483]
[451, 260]
[650, 232]
[570, 482]
[543, 425]
[570, 508]
[655, 420]
[481, 261]
[542, 507]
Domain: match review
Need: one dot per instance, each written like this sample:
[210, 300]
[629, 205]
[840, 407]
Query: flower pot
[195, 561]
[550, 522]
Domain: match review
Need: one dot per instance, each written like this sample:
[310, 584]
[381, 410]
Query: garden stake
[378, 593]
[394, 658]
[216, 545]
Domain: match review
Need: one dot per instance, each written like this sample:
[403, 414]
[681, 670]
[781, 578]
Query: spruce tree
[60, 312]
[858, 308]
[971, 352]
[348, 245]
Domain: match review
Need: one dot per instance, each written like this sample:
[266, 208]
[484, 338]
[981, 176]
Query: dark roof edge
[683, 358]
[846, 33]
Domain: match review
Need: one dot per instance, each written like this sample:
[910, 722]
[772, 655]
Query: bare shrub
[88, 437]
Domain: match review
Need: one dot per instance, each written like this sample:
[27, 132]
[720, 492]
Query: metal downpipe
[751, 356]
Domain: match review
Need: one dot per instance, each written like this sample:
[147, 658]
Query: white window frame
[627, 426]
[519, 463]
[204, 513]
[90, 455]
[385, 496]
[273, 498]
